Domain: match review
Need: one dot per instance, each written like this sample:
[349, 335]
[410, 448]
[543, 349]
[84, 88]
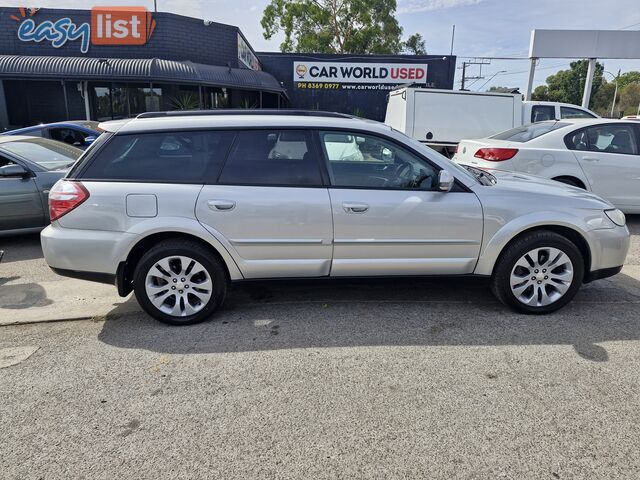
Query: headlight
[616, 216]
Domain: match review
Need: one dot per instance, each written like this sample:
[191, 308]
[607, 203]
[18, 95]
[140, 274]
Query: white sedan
[599, 155]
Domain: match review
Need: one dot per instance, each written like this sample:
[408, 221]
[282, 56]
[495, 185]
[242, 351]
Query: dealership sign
[109, 26]
[342, 72]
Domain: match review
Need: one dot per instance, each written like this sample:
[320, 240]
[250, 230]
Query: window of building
[272, 157]
[186, 157]
[364, 161]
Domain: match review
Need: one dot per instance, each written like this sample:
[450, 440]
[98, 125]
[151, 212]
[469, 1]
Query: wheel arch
[572, 179]
[569, 233]
[124, 273]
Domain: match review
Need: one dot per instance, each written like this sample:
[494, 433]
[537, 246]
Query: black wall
[175, 38]
[368, 103]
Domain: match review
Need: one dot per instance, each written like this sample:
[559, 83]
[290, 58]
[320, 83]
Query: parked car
[79, 133]
[599, 155]
[176, 205]
[441, 118]
[29, 167]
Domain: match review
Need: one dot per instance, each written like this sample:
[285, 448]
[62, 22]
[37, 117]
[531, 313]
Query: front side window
[365, 161]
[46, 153]
[569, 112]
[272, 158]
[541, 113]
[176, 157]
[606, 138]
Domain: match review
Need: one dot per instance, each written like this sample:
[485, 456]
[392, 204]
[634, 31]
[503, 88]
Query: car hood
[532, 186]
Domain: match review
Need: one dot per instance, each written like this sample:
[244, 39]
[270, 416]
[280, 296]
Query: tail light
[64, 197]
[496, 154]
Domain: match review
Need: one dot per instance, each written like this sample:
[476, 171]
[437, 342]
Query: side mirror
[445, 181]
[14, 170]
[89, 140]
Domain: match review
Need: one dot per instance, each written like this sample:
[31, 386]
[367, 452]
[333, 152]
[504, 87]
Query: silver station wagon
[177, 206]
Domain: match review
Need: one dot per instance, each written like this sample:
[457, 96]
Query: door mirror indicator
[445, 181]
[14, 171]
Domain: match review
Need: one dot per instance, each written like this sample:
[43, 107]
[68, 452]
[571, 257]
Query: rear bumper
[89, 276]
[75, 250]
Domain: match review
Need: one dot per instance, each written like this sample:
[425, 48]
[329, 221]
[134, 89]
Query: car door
[20, 203]
[270, 207]
[389, 217]
[609, 155]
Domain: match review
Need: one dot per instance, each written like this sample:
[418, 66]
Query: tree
[628, 78]
[567, 85]
[630, 98]
[334, 26]
[415, 45]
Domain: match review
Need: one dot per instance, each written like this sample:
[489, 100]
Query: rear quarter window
[167, 157]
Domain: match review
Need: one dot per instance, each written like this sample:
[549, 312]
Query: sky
[484, 28]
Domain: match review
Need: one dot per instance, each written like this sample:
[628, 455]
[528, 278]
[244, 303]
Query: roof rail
[239, 111]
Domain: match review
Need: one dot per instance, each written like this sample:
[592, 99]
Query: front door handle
[351, 207]
[590, 159]
[221, 205]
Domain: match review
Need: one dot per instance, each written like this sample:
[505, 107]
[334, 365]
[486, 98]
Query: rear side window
[606, 138]
[529, 132]
[272, 157]
[169, 157]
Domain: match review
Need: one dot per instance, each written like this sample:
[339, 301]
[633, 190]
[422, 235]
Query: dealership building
[116, 62]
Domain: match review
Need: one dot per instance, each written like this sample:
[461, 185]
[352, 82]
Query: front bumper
[609, 248]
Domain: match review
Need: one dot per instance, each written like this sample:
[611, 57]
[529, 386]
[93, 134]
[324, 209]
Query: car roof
[163, 121]
[81, 124]
[591, 121]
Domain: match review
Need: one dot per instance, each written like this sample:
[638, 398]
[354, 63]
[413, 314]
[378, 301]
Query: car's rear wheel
[538, 273]
[180, 282]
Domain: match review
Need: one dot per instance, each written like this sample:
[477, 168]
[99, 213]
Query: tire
[195, 280]
[570, 181]
[513, 281]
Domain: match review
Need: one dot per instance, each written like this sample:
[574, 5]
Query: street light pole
[616, 78]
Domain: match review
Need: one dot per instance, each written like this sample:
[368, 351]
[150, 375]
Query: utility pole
[615, 94]
[473, 61]
[453, 36]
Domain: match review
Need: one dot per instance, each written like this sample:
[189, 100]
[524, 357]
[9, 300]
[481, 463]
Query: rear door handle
[590, 159]
[351, 207]
[221, 205]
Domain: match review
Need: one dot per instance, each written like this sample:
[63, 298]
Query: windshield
[48, 154]
[529, 132]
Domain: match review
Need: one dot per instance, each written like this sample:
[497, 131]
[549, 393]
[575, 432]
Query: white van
[441, 118]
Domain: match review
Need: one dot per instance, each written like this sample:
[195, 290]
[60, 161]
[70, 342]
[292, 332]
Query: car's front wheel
[538, 273]
[180, 282]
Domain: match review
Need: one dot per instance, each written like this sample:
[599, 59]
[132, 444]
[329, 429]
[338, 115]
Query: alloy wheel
[178, 286]
[541, 276]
